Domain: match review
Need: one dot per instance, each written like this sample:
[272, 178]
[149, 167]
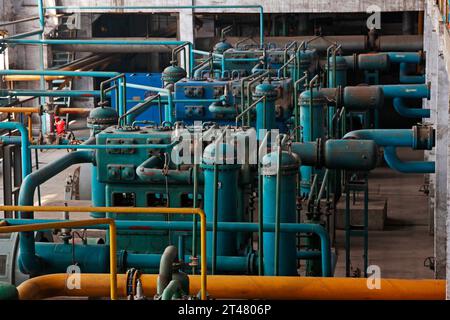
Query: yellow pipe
[244, 287]
[19, 109]
[135, 210]
[31, 78]
[75, 224]
[81, 111]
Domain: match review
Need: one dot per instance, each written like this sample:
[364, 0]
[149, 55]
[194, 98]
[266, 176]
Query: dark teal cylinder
[227, 195]
[313, 121]
[265, 109]
[287, 251]
[98, 194]
[337, 76]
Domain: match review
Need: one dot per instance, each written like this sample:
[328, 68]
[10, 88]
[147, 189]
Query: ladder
[354, 183]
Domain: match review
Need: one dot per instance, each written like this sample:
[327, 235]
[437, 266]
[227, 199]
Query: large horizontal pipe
[117, 48]
[400, 43]
[243, 287]
[348, 43]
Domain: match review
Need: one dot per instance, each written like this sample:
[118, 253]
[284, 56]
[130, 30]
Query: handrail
[74, 224]
[133, 210]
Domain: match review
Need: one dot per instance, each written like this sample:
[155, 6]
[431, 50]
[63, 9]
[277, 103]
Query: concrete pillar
[186, 30]
[442, 142]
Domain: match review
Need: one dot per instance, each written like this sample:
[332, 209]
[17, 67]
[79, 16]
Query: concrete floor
[399, 250]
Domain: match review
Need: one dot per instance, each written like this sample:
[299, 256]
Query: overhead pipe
[243, 287]
[102, 8]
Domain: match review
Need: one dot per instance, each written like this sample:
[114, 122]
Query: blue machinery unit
[248, 132]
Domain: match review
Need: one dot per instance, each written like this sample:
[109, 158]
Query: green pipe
[169, 256]
[8, 292]
[173, 291]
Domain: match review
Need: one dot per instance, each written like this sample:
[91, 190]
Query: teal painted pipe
[399, 106]
[279, 249]
[26, 154]
[151, 171]
[405, 57]
[137, 259]
[390, 139]
[390, 155]
[384, 137]
[58, 256]
[413, 91]
[11, 140]
[29, 262]
[404, 77]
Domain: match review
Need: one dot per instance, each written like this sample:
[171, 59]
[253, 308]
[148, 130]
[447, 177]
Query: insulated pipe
[30, 263]
[243, 287]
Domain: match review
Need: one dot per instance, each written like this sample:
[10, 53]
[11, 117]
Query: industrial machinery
[232, 165]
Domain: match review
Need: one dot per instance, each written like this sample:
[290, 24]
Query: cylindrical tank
[357, 155]
[341, 72]
[313, 122]
[373, 61]
[287, 197]
[363, 97]
[308, 61]
[265, 111]
[98, 194]
[227, 194]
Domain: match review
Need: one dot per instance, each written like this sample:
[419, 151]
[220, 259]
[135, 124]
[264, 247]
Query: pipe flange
[423, 137]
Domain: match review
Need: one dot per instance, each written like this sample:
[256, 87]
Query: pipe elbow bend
[399, 106]
[390, 155]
